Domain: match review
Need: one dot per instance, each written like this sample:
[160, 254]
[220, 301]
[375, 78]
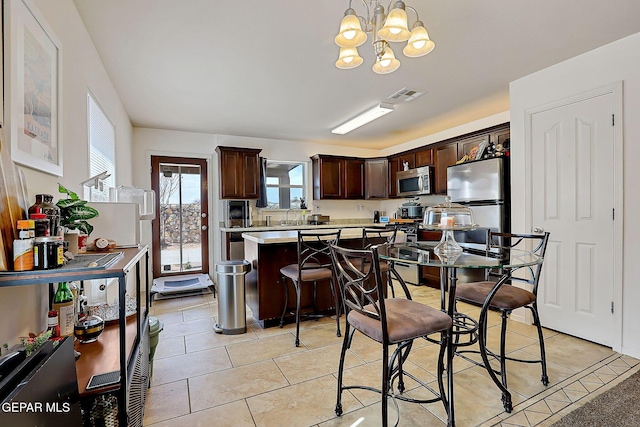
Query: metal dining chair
[313, 267]
[389, 321]
[508, 297]
[378, 236]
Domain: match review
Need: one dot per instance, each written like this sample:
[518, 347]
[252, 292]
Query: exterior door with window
[181, 229]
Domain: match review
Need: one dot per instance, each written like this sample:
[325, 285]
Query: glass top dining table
[422, 253]
[508, 260]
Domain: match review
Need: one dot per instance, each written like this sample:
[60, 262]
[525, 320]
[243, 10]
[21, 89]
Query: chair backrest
[314, 248]
[360, 282]
[536, 243]
[378, 236]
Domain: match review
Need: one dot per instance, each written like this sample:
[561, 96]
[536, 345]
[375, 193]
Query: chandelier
[384, 29]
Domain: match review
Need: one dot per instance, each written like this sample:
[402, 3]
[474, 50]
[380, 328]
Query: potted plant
[74, 214]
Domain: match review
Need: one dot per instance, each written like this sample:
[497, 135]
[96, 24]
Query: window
[102, 151]
[285, 184]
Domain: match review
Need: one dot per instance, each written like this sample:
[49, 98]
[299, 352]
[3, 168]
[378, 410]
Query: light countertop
[332, 225]
[288, 236]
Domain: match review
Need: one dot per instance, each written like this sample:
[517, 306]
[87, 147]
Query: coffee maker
[237, 214]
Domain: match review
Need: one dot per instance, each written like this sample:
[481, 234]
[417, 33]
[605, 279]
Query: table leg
[451, 273]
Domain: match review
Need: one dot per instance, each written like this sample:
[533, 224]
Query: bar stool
[507, 298]
[313, 266]
[389, 321]
[378, 236]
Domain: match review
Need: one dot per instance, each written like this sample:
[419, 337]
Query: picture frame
[481, 147]
[33, 98]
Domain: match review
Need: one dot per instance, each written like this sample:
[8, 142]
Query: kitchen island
[268, 252]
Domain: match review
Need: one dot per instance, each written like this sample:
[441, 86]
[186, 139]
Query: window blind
[102, 149]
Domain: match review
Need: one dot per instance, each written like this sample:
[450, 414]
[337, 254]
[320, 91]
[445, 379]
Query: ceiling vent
[406, 95]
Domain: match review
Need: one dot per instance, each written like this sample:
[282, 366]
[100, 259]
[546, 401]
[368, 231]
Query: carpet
[615, 407]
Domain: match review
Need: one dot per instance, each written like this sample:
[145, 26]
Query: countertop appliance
[414, 182]
[237, 213]
[482, 185]
[410, 210]
[317, 219]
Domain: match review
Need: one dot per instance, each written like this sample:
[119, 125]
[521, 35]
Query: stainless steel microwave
[414, 182]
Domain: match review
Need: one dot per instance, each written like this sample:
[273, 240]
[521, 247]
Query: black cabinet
[46, 382]
[122, 347]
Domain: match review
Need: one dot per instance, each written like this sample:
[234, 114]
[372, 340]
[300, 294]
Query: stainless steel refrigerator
[482, 185]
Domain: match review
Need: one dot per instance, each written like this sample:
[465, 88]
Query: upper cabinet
[376, 178]
[443, 156]
[338, 177]
[424, 158]
[239, 172]
[396, 164]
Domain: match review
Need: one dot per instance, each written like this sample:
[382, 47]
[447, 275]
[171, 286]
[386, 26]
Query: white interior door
[572, 150]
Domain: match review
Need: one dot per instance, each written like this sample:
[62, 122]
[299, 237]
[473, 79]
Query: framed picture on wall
[32, 95]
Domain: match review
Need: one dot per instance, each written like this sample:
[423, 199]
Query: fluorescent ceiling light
[363, 118]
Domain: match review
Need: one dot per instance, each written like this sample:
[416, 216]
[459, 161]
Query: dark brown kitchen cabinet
[239, 172]
[337, 177]
[500, 137]
[465, 146]
[376, 178]
[443, 157]
[397, 164]
[424, 158]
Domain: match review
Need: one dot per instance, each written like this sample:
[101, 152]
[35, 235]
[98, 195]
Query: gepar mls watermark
[36, 407]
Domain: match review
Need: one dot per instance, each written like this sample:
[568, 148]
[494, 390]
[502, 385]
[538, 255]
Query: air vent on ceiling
[406, 95]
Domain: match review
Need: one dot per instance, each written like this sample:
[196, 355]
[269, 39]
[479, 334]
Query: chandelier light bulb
[419, 43]
[395, 27]
[387, 63]
[349, 58]
[351, 34]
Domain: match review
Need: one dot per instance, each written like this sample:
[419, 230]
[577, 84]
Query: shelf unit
[123, 346]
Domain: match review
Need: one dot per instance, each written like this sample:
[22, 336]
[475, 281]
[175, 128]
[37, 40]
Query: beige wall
[23, 309]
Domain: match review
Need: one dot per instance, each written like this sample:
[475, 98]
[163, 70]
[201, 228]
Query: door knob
[538, 230]
[204, 227]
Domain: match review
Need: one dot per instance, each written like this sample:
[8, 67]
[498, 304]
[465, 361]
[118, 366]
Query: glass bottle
[44, 204]
[52, 323]
[23, 246]
[63, 304]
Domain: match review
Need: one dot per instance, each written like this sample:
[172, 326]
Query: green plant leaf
[80, 212]
[70, 194]
[84, 227]
[67, 203]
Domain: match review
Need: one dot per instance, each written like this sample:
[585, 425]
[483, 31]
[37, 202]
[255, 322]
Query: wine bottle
[63, 304]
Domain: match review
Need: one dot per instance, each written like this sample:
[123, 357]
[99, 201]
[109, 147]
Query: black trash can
[232, 311]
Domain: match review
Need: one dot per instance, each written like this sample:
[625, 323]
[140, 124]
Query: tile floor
[260, 379]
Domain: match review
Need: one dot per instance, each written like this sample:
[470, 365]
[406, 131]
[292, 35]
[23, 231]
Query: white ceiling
[266, 68]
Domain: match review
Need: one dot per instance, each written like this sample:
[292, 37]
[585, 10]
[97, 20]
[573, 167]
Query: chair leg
[503, 342]
[346, 342]
[337, 303]
[385, 384]
[543, 357]
[297, 286]
[286, 300]
[400, 376]
[444, 339]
